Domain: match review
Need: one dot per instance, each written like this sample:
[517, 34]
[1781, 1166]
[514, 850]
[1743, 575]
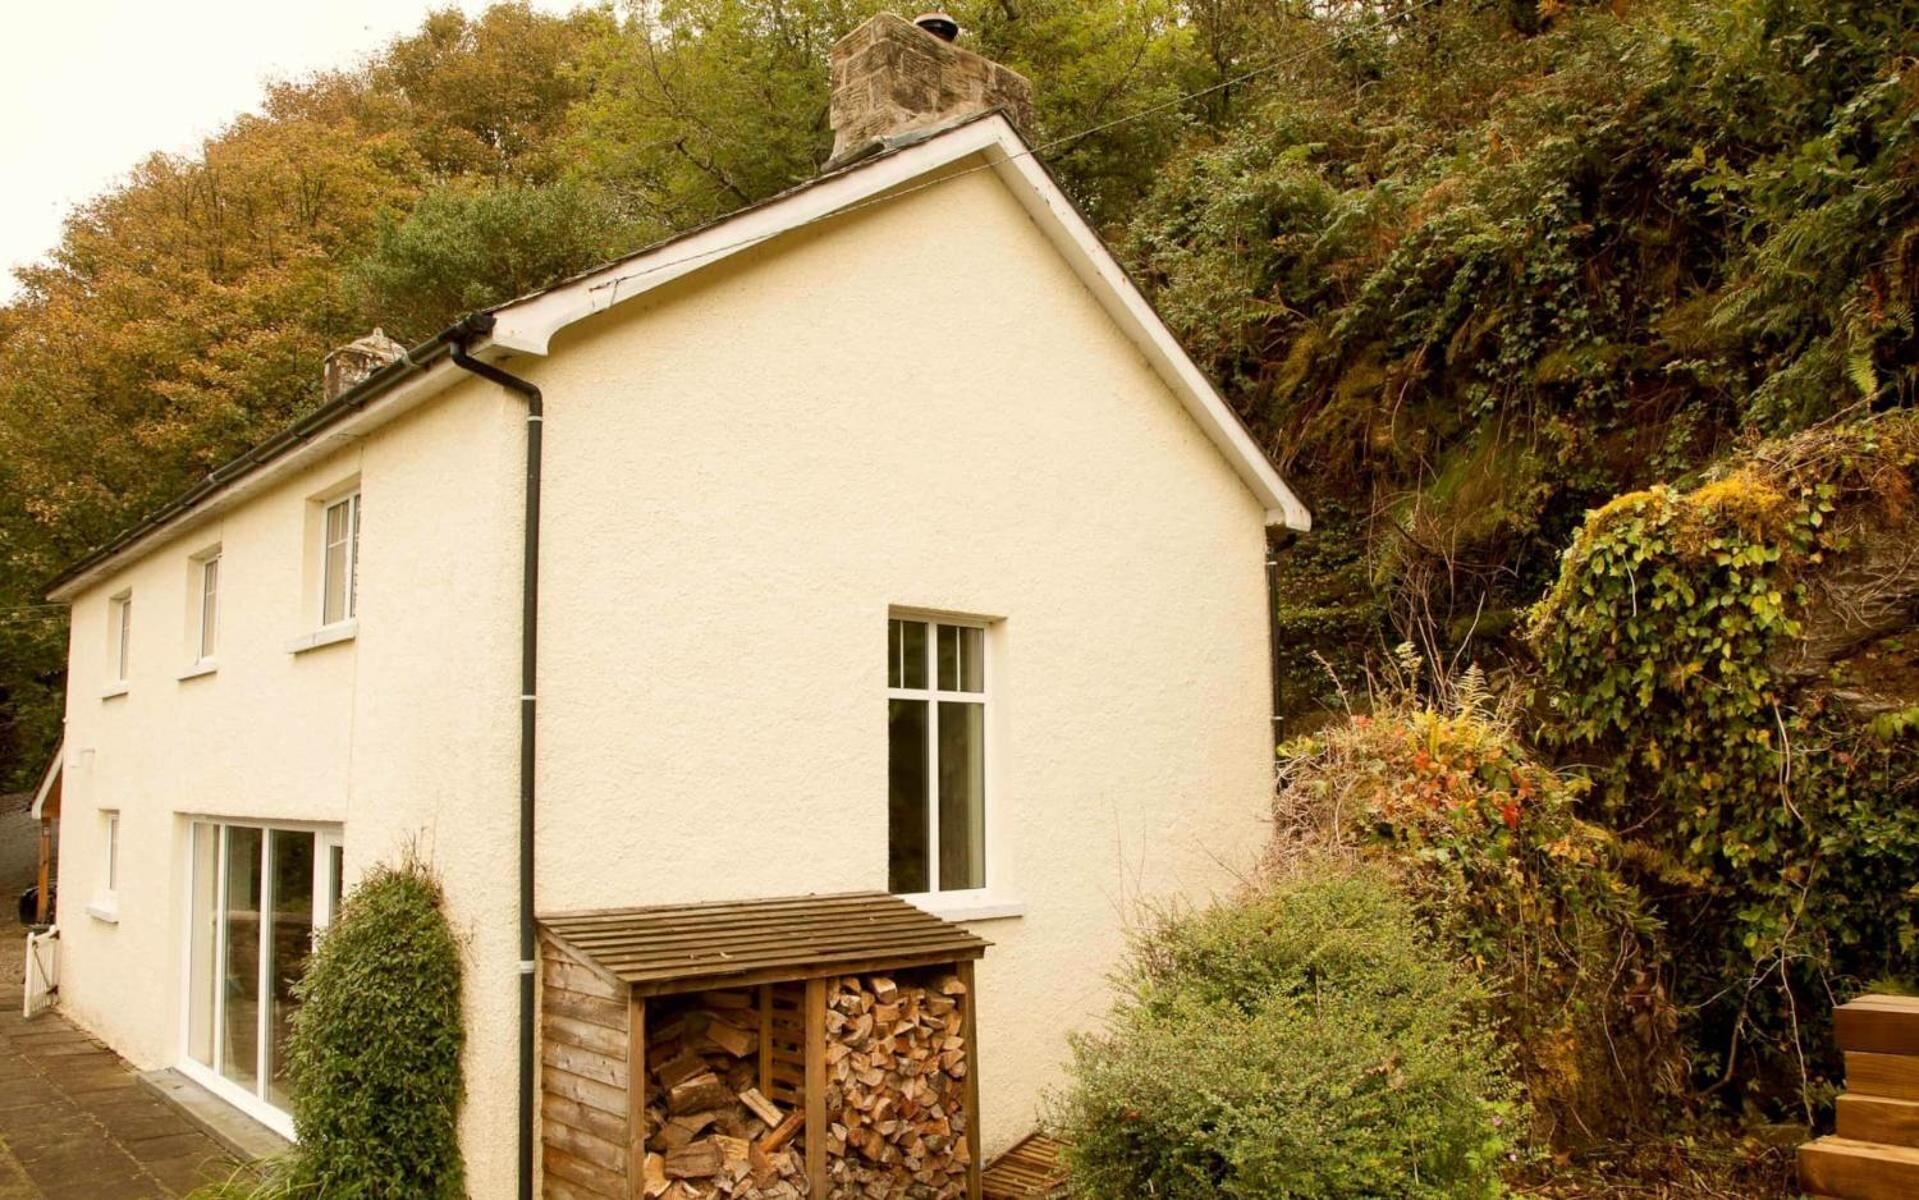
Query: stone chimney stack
[893, 78]
[349, 366]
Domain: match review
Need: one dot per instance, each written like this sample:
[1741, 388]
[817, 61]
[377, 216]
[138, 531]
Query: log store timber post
[816, 1046]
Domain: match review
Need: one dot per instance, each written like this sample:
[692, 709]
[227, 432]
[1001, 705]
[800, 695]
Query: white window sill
[340, 631]
[967, 907]
[205, 666]
[116, 688]
[105, 911]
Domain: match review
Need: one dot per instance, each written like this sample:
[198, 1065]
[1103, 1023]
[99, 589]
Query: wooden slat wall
[786, 1050]
[585, 1125]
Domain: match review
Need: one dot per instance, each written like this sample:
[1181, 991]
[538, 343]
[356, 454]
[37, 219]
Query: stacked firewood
[896, 1062]
[713, 1133]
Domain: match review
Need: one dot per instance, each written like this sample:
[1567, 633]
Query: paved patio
[76, 1123]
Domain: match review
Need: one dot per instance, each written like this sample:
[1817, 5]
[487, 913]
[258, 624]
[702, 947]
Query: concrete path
[76, 1124]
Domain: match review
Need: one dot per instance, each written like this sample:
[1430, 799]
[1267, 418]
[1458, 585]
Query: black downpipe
[1274, 546]
[479, 325]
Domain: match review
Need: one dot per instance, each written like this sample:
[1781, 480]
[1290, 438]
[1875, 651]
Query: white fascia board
[1102, 275]
[377, 411]
[529, 325]
[47, 780]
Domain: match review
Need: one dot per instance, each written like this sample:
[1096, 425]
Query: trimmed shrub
[376, 1047]
[1303, 1042]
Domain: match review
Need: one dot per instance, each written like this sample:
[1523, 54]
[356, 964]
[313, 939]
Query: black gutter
[479, 325]
[413, 361]
[1274, 545]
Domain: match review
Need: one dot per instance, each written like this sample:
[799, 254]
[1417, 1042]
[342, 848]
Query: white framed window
[340, 559]
[207, 577]
[936, 701]
[113, 854]
[120, 635]
[105, 905]
[259, 897]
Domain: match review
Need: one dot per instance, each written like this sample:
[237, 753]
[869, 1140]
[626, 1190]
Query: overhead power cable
[1269, 68]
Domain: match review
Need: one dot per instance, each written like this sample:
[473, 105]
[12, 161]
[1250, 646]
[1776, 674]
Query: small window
[209, 589]
[340, 561]
[113, 854]
[936, 756]
[120, 634]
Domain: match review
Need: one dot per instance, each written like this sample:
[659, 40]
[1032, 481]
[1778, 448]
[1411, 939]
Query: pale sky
[88, 88]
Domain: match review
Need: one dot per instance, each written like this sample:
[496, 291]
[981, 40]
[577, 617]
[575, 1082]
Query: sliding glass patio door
[259, 895]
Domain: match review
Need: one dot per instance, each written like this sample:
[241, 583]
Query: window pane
[209, 605]
[290, 943]
[126, 636]
[334, 592]
[336, 881]
[908, 869]
[910, 653]
[962, 759]
[204, 938]
[353, 560]
[240, 973]
[113, 853]
[961, 664]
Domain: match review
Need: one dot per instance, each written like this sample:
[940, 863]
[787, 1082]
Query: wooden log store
[808, 1046]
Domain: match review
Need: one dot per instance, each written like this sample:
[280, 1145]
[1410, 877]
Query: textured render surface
[406, 734]
[918, 406]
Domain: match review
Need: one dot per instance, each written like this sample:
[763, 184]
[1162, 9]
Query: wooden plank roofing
[688, 947]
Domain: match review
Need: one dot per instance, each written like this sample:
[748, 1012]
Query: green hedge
[1304, 1042]
[376, 1046]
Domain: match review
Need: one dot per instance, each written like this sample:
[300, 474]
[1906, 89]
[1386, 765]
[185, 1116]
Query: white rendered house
[886, 541]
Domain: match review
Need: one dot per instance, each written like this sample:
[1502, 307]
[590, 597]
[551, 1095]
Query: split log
[696, 1161]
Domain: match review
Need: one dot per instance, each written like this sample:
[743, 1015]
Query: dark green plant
[376, 1047]
[1305, 1041]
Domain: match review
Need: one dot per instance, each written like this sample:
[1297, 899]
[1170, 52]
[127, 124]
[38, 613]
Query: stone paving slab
[76, 1123]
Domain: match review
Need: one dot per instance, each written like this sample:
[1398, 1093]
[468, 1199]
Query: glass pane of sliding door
[289, 941]
[203, 940]
[240, 958]
[258, 896]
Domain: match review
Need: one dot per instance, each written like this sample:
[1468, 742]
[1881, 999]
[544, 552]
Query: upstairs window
[113, 854]
[120, 634]
[936, 750]
[340, 560]
[208, 571]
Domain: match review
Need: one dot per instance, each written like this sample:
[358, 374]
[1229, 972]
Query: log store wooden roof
[686, 947]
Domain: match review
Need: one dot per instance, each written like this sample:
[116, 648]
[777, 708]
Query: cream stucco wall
[405, 735]
[917, 406]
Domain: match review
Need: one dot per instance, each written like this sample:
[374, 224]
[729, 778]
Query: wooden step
[1877, 1119]
[1853, 1170]
[1878, 1024]
[1892, 1076]
[1029, 1171]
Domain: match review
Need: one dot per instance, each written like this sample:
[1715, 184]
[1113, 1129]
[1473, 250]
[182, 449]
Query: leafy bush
[1487, 845]
[376, 1046]
[1303, 1042]
[1732, 658]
